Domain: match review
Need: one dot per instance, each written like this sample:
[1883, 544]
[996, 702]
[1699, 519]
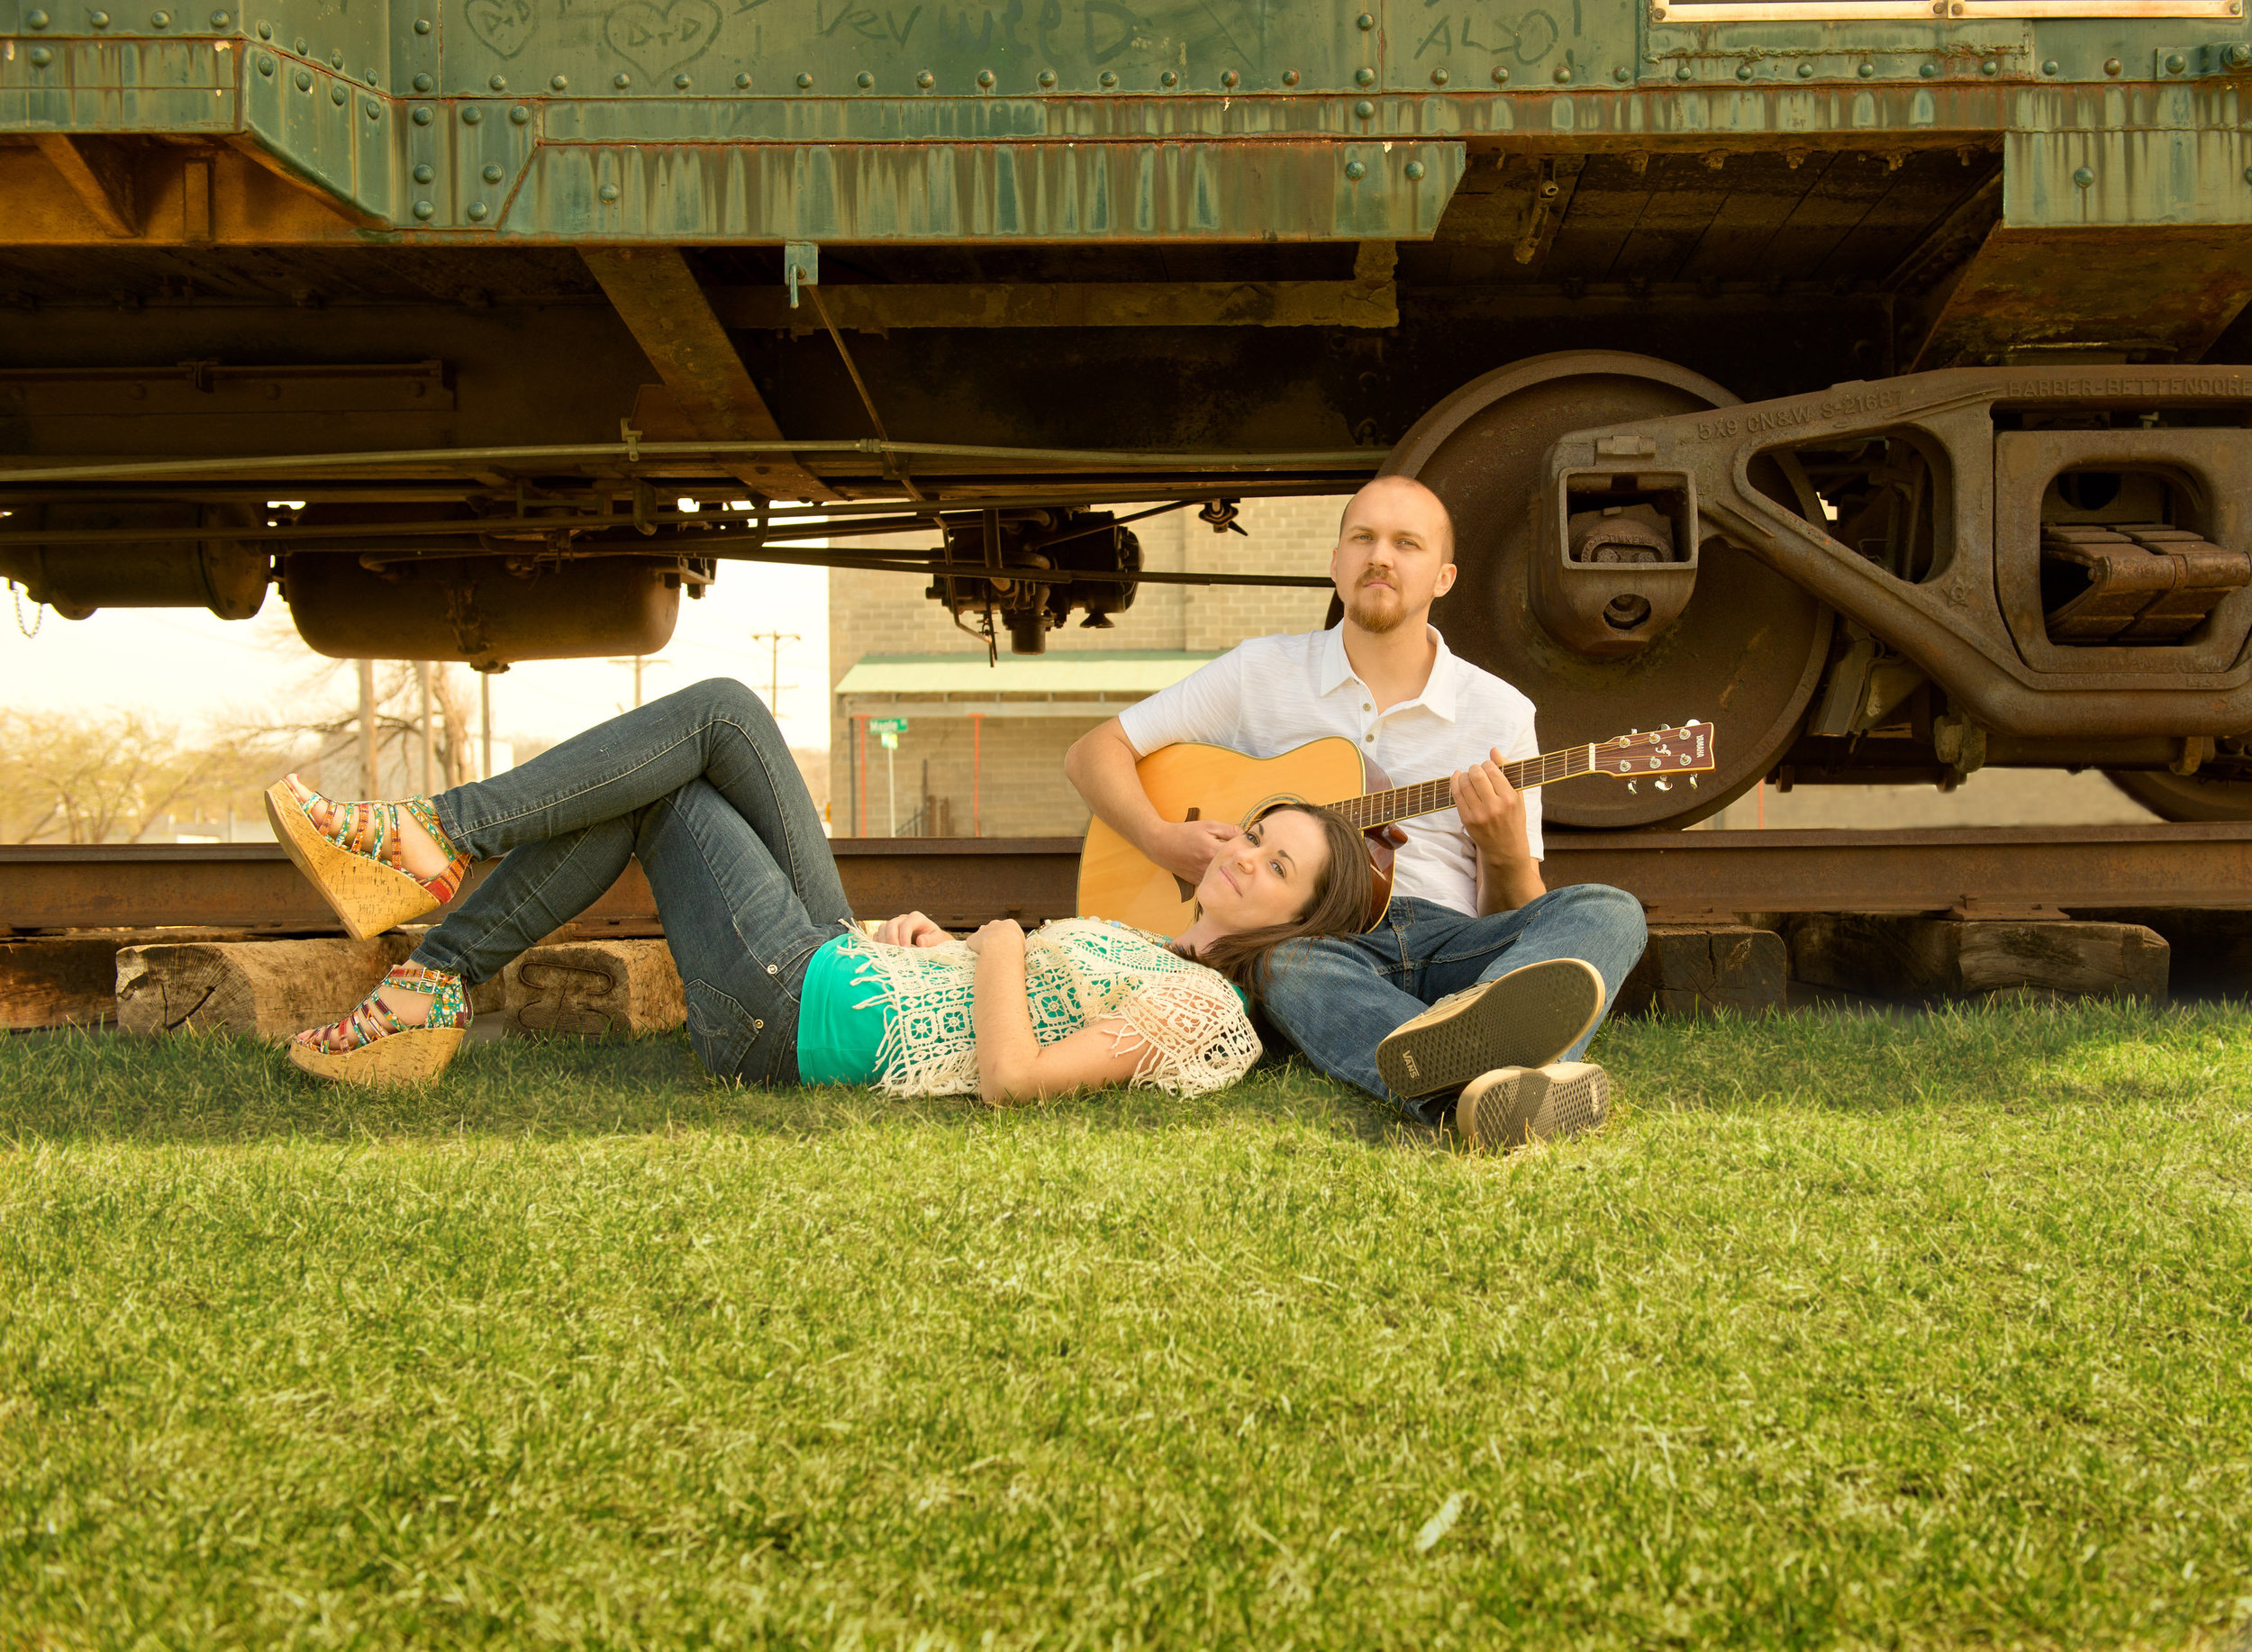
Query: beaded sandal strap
[449, 1004]
[425, 813]
[448, 881]
[368, 829]
[372, 1019]
[369, 1019]
[372, 829]
[364, 829]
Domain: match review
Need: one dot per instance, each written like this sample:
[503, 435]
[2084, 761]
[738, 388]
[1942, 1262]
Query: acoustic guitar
[1210, 782]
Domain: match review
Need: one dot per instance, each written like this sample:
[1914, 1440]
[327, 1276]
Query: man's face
[1394, 554]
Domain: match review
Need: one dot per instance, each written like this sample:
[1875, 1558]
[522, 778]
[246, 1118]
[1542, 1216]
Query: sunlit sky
[195, 668]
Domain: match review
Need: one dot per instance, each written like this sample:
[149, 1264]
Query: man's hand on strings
[1493, 811]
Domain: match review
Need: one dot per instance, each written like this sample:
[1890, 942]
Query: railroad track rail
[1680, 877]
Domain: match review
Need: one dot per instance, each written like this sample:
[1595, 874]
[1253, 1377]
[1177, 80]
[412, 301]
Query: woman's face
[1265, 876]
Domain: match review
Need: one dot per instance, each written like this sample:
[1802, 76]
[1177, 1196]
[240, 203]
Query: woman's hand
[911, 930]
[1002, 930]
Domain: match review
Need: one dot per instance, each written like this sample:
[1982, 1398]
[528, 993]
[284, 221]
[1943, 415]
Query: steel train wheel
[2184, 797]
[1746, 654]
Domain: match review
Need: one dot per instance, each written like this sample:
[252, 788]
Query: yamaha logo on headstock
[1687, 749]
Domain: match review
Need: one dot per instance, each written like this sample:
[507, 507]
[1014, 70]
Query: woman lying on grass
[783, 985]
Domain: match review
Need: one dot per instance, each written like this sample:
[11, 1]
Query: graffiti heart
[503, 25]
[658, 39]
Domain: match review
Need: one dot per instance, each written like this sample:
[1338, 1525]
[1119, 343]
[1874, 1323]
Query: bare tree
[454, 690]
[398, 722]
[72, 777]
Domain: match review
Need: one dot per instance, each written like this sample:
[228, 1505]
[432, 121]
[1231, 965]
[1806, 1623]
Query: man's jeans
[1336, 997]
[700, 787]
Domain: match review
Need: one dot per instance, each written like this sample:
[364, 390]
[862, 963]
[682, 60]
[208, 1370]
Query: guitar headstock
[1685, 750]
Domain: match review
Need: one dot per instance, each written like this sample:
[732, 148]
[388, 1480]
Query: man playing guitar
[1470, 1003]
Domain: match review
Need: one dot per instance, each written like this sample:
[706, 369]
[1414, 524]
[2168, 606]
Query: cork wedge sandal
[357, 862]
[374, 1047]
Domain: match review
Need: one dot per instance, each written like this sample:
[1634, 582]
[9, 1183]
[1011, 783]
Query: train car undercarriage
[1945, 536]
[1902, 579]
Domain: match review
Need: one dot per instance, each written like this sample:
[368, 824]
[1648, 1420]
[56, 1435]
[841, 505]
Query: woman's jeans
[700, 787]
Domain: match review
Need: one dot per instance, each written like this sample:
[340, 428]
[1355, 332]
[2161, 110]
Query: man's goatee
[1376, 621]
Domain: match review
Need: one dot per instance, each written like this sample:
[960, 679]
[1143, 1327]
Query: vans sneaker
[1527, 1018]
[1514, 1105]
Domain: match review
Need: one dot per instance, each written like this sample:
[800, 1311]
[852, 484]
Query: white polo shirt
[1266, 696]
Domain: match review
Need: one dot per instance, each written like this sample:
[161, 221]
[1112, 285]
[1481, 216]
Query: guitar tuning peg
[1631, 786]
[1663, 786]
[1692, 783]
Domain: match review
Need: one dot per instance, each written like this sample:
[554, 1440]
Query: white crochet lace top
[1188, 1020]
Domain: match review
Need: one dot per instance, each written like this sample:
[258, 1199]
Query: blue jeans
[701, 788]
[1336, 997]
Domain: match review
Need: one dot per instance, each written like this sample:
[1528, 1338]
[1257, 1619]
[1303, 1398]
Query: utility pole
[369, 785]
[429, 750]
[637, 662]
[773, 639]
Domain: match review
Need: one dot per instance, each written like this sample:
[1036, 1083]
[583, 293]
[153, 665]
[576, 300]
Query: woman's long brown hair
[1338, 906]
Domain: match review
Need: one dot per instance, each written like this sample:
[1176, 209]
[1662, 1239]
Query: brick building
[991, 742]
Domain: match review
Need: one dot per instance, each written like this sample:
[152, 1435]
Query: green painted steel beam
[708, 120]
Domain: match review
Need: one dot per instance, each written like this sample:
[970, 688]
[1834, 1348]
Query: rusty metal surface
[873, 307]
[2171, 289]
[551, 456]
[1975, 623]
[1746, 653]
[1997, 871]
[2147, 582]
[1217, 191]
[253, 886]
[657, 295]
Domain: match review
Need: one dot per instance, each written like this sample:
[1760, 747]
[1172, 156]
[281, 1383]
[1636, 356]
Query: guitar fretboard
[1429, 797]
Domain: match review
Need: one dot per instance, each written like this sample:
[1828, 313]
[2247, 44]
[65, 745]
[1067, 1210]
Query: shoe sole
[368, 897]
[1526, 1019]
[1515, 1106]
[415, 1055]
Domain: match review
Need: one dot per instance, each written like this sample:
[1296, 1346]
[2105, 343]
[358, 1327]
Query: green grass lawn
[1846, 1332]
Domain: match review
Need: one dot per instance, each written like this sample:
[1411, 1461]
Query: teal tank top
[841, 1025]
[837, 1042]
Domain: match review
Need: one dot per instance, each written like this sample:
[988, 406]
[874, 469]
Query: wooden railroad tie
[270, 989]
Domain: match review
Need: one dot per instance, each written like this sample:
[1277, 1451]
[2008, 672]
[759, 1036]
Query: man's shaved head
[1395, 553]
[1409, 489]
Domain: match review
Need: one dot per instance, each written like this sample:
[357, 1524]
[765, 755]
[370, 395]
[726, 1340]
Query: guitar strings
[1430, 796]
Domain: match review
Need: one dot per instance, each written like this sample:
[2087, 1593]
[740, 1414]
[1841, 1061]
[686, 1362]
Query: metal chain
[39, 609]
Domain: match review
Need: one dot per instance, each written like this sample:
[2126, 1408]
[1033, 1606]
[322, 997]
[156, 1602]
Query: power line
[774, 684]
[637, 662]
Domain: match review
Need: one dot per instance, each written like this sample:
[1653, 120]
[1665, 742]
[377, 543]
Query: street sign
[890, 740]
[888, 725]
